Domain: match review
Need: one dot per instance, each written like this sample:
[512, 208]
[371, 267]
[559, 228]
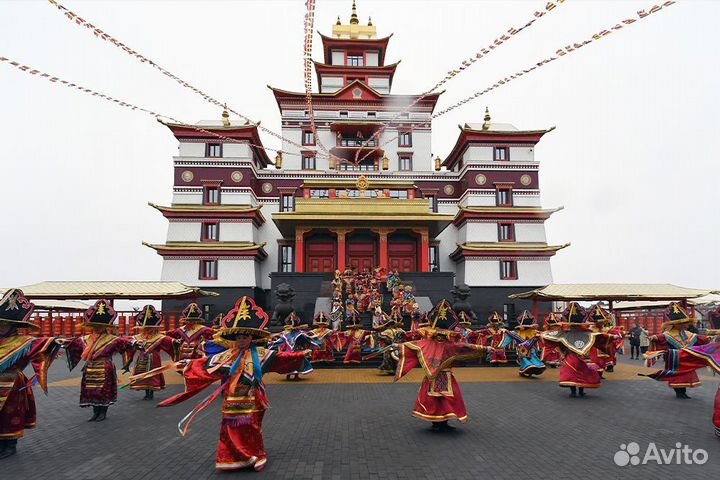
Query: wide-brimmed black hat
[442, 317]
[102, 314]
[148, 317]
[15, 309]
[292, 322]
[597, 314]
[574, 313]
[192, 314]
[495, 319]
[464, 320]
[321, 320]
[246, 318]
[526, 321]
[675, 315]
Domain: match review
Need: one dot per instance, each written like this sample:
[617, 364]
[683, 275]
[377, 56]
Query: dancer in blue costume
[295, 338]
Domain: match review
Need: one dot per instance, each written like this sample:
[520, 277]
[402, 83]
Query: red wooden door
[403, 256]
[320, 257]
[361, 254]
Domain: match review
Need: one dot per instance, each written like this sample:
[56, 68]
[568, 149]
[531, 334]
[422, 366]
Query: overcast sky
[633, 159]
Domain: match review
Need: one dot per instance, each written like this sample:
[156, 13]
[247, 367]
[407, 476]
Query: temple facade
[359, 190]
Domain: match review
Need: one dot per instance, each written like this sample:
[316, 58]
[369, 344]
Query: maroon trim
[258, 252]
[507, 153]
[465, 215]
[330, 43]
[254, 215]
[467, 137]
[248, 133]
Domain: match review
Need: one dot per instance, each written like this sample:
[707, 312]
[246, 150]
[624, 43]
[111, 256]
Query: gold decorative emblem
[267, 187]
[480, 179]
[448, 189]
[187, 176]
[357, 93]
[362, 183]
[526, 180]
[236, 176]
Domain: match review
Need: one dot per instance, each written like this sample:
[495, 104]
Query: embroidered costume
[239, 369]
[354, 338]
[148, 344]
[549, 352]
[192, 332]
[292, 339]
[497, 337]
[676, 338]
[575, 340]
[98, 388]
[527, 338]
[439, 398]
[17, 402]
[324, 352]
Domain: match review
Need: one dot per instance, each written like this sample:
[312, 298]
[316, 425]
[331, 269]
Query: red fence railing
[67, 324]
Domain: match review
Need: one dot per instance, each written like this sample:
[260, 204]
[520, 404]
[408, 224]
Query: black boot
[103, 414]
[96, 412]
[610, 368]
[150, 394]
[581, 392]
[573, 392]
[683, 394]
[9, 448]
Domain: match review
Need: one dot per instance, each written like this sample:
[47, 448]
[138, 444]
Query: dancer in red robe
[575, 341]
[98, 388]
[239, 369]
[550, 355]
[192, 332]
[688, 359]
[354, 338]
[439, 398]
[17, 402]
[676, 337]
[497, 337]
[149, 343]
[321, 333]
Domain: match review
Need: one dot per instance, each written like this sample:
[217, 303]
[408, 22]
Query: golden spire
[338, 21]
[438, 164]
[278, 160]
[486, 125]
[369, 21]
[225, 116]
[353, 17]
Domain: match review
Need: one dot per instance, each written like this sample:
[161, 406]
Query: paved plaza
[329, 427]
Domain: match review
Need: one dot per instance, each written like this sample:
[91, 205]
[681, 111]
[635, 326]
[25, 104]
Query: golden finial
[486, 125]
[438, 164]
[338, 21]
[278, 160]
[385, 162]
[353, 17]
[225, 116]
[369, 21]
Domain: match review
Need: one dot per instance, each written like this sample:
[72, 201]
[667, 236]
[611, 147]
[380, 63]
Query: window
[434, 258]
[405, 162]
[503, 197]
[343, 114]
[211, 195]
[355, 60]
[508, 270]
[208, 269]
[399, 194]
[509, 313]
[405, 139]
[287, 203]
[433, 203]
[213, 150]
[506, 232]
[363, 167]
[211, 231]
[308, 162]
[501, 154]
[404, 115]
[286, 258]
[372, 114]
[319, 194]
[308, 138]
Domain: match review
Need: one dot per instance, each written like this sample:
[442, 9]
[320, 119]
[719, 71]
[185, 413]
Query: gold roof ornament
[486, 124]
[385, 163]
[225, 116]
[278, 160]
[354, 30]
[362, 184]
[353, 17]
[438, 164]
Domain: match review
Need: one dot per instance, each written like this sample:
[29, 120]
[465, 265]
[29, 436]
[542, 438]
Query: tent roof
[112, 290]
[612, 291]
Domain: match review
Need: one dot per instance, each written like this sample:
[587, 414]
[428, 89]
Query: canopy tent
[113, 290]
[612, 292]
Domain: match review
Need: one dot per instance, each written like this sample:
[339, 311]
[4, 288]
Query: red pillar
[383, 240]
[341, 252]
[300, 249]
[424, 249]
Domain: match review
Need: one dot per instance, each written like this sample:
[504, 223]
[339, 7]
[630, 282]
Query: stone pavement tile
[348, 431]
